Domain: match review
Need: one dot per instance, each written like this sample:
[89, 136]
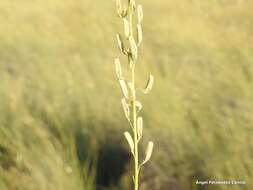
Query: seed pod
[130, 87]
[118, 68]
[129, 140]
[120, 43]
[130, 59]
[133, 48]
[124, 89]
[124, 12]
[118, 7]
[139, 127]
[139, 13]
[132, 5]
[138, 105]
[149, 84]
[125, 108]
[149, 151]
[126, 27]
[139, 34]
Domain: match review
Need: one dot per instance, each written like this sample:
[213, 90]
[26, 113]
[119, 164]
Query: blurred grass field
[61, 120]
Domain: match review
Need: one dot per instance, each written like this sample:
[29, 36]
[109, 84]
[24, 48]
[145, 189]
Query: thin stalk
[129, 89]
[136, 153]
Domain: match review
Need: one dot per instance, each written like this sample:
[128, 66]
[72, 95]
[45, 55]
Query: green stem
[136, 154]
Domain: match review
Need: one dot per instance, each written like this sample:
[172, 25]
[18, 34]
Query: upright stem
[136, 154]
[131, 51]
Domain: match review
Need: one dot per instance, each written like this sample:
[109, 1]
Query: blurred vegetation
[61, 121]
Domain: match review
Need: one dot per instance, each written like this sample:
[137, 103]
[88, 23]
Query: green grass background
[60, 101]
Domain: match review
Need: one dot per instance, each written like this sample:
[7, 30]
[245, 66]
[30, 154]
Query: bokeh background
[61, 120]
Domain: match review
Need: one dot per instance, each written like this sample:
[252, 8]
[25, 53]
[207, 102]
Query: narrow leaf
[123, 87]
[130, 141]
[149, 84]
[139, 127]
[125, 108]
[139, 34]
[118, 68]
[148, 152]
